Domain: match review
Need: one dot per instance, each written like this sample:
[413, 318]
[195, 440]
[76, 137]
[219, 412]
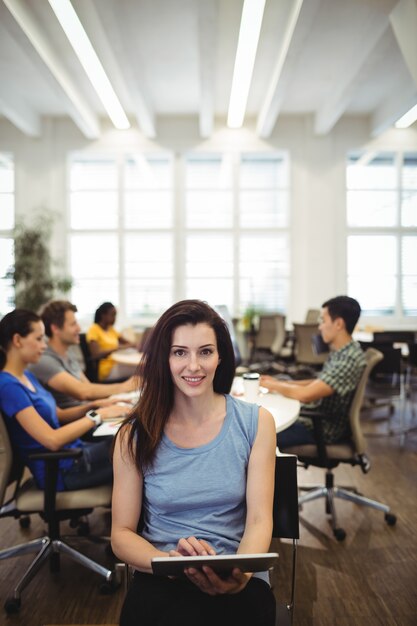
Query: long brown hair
[156, 401]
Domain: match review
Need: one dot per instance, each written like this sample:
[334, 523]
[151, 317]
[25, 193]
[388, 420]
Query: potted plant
[33, 279]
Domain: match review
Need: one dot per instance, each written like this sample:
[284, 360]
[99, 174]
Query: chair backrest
[285, 507]
[90, 364]
[372, 357]
[271, 332]
[304, 352]
[312, 316]
[11, 470]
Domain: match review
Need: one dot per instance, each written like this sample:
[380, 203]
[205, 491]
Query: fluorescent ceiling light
[408, 118]
[250, 28]
[77, 36]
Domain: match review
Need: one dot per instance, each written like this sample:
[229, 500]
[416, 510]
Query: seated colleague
[103, 339]
[198, 464]
[31, 414]
[59, 370]
[332, 392]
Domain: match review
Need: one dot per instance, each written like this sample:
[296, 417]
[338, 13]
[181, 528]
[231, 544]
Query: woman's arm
[112, 410]
[126, 509]
[260, 487]
[48, 437]
[97, 352]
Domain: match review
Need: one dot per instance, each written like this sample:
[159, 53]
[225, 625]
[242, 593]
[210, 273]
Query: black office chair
[329, 456]
[90, 363]
[286, 522]
[19, 497]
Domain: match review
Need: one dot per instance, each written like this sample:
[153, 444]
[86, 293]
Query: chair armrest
[317, 419]
[51, 459]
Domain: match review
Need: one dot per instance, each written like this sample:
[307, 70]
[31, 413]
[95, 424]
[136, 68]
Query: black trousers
[161, 601]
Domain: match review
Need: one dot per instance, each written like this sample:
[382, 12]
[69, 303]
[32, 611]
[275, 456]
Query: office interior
[320, 115]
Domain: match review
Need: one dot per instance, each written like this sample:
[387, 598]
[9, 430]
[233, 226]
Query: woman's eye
[207, 352]
[179, 352]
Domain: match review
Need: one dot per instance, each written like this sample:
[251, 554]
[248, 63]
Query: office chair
[90, 363]
[312, 316]
[22, 497]
[304, 354]
[330, 456]
[286, 522]
[271, 339]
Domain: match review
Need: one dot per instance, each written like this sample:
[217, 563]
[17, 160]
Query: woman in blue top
[32, 417]
[196, 466]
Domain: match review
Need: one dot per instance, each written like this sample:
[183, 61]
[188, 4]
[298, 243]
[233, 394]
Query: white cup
[251, 386]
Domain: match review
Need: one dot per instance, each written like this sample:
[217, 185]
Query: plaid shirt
[342, 372]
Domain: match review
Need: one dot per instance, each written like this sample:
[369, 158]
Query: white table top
[284, 410]
[128, 356]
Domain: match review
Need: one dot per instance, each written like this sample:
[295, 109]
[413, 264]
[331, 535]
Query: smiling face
[33, 345]
[193, 359]
[69, 334]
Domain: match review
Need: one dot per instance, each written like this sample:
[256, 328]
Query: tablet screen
[222, 563]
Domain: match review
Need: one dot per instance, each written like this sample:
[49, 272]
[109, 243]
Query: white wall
[317, 183]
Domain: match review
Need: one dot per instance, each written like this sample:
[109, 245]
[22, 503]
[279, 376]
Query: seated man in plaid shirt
[332, 392]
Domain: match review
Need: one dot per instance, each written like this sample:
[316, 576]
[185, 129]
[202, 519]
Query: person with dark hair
[32, 417]
[59, 369]
[194, 468]
[103, 339]
[332, 391]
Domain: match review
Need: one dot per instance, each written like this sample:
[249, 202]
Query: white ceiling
[176, 57]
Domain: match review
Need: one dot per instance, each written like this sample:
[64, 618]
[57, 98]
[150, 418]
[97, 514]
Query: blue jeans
[295, 435]
[93, 468]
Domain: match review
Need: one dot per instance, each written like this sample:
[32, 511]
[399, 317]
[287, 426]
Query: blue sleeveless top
[202, 491]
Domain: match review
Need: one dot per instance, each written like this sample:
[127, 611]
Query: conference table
[284, 410]
[128, 356]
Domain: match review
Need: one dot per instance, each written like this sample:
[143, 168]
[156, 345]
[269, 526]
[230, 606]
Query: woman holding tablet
[194, 468]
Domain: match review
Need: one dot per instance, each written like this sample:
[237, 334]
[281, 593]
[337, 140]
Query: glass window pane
[377, 173]
[264, 269]
[208, 171]
[263, 209]
[148, 296]
[209, 209]
[88, 293]
[209, 256]
[372, 274]
[148, 209]
[94, 256]
[372, 208]
[94, 210]
[409, 208]
[409, 270]
[148, 172]
[409, 295]
[6, 285]
[149, 256]
[409, 171]
[6, 211]
[263, 172]
[211, 290]
[93, 174]
[6, 173]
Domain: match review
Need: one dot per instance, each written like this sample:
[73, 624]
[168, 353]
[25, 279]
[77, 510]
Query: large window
[7, 221]
[143, 238]
[382, 233]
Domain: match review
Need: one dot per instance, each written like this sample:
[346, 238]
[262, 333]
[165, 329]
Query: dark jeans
[161, 601]
[295, 435]
[92, 469]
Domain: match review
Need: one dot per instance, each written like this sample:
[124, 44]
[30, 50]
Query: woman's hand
[113, 411]
[269, 382]
[192, 547]
[209, 582]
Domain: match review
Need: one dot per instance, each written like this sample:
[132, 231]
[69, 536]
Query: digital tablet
[220, 563]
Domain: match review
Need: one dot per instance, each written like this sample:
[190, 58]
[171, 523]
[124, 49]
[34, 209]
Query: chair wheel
[24, 521]
[12, 605]
[339, 533]
[390, 519]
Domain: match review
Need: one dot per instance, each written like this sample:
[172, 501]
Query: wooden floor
[369, 579]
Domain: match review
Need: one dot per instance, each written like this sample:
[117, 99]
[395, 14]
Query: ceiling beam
[208, 11]
[100, 19]
[372, 28]
[19, 113]
[402, 98]
[296, 30]
[403, 20]
[76, 106]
